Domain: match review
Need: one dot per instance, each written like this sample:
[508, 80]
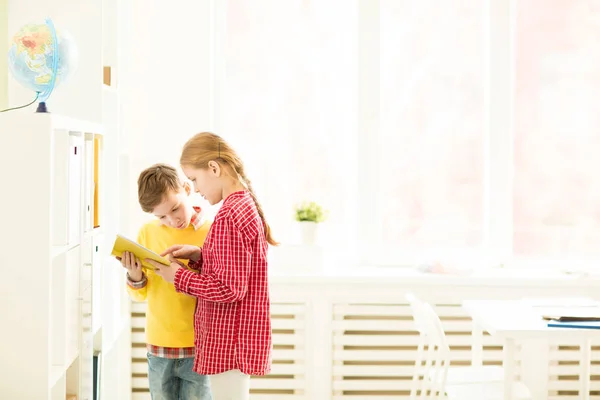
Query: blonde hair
[155, 182]
[205, 147]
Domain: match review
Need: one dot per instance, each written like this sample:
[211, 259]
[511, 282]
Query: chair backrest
[416, 307]
[433, 352]
[438, 353]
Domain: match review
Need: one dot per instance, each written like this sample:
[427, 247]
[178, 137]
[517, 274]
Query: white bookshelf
[62, 292]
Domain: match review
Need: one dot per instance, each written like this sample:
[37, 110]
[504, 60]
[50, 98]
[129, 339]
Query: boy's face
[175, 210]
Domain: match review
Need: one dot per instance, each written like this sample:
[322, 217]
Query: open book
[123, 244]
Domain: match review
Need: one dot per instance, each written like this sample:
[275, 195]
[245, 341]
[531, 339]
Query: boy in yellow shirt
[170, 315]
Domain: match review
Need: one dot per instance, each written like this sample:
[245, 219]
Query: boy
[170, 315]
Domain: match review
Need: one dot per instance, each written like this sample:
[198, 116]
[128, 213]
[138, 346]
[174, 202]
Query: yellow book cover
[97, 153]
[123, 244]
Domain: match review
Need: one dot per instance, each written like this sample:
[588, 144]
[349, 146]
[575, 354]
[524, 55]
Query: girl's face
[206, 182]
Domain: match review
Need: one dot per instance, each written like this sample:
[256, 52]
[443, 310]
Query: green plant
[310, 212]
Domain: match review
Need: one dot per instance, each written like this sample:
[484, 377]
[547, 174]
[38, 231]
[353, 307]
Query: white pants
[230, 385]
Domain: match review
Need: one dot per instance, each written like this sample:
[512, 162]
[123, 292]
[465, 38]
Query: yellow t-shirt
[170, 315]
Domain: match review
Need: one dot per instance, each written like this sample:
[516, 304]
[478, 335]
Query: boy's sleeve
[228, 282]
[138, 290]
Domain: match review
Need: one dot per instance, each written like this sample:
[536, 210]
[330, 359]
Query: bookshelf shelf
[66, 294]
[56, 373]
[57, 251]
[76, 287]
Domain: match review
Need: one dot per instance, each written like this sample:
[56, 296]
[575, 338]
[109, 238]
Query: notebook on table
[575, 324]
[574, 317]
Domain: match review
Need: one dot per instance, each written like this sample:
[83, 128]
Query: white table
[521, 321]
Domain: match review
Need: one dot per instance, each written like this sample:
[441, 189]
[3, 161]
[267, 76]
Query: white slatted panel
[564, 371]
[287, 378]
[139, 362]
[373, 352]
[375, 346]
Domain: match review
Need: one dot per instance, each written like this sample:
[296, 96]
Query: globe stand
[41, 108]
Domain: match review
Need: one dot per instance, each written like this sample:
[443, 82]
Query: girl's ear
[214, 168]
[187, 187]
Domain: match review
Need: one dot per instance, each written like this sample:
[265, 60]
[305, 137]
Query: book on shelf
[97, 155]
[74, 186]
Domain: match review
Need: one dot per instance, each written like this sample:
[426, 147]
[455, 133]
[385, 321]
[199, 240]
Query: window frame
[498, 41]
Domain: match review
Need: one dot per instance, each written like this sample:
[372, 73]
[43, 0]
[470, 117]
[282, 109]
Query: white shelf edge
[97, 339]
[75, 125]
[93, 233]
[73, 359]
[96, 330]
[56, 122]
[60, 250]
[110, 89]
[56, 372]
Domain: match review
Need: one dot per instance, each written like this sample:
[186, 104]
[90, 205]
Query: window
[289, 102]
[407, 119]
[557, 125]
[432, 126]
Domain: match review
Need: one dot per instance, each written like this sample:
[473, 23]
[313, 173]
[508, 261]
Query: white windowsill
[401, 275]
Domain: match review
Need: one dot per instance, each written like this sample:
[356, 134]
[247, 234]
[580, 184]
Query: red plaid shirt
[170, 352]
[232, 325]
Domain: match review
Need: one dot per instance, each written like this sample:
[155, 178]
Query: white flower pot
[308, 231]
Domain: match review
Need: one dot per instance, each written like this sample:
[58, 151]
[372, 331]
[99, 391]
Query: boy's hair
[205, 147]
[155, 183]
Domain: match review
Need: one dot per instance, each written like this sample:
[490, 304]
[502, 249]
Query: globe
[40, 58]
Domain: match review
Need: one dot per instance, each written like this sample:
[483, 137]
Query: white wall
[166, 88]
[3, 50]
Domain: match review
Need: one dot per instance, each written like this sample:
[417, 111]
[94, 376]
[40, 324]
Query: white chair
[441, 381]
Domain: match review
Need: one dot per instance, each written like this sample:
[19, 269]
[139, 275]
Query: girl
[232, 320]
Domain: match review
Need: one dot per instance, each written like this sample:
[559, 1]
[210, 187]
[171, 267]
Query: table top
[522, 319]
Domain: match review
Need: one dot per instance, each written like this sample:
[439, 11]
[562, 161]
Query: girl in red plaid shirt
[232, 321]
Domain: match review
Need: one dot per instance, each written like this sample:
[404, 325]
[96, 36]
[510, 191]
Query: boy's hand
[166, 272]
[183, 251]
[133, 266]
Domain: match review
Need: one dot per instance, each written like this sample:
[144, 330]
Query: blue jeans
[174, 379]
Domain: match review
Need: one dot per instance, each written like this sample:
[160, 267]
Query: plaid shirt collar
[198, 218]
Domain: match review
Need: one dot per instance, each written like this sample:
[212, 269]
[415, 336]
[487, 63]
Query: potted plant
[309, 215]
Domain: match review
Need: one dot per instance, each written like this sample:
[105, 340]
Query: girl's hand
[183, 251]
[133, 266]
[167, 272]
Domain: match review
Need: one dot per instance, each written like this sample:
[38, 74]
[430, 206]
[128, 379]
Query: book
[571, 318]
[572, 314]
[97, 360]
[97, 185]
[122, 244]
[575, 324]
